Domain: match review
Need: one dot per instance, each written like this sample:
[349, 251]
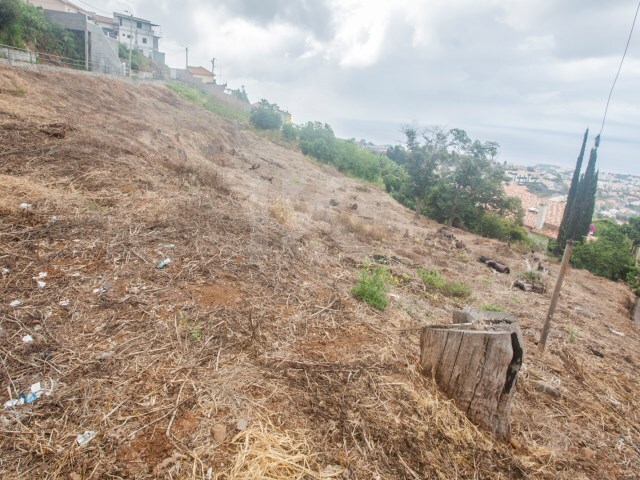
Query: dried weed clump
[365, 232]
[264, 452]
[281, 211]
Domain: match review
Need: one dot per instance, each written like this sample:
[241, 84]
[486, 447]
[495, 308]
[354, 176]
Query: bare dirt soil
[251, 332]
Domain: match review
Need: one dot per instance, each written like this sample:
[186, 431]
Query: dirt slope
[252, 328]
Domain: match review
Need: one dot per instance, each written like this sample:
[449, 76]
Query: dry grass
[251, 321]
[365, 232]
[281, 211]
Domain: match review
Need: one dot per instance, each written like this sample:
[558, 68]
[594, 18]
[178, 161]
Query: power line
[96, 8]
[604, 118]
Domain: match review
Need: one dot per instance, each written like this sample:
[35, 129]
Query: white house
[140, 34]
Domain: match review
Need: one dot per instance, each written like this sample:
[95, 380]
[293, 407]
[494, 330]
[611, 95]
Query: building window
[144, 40]
[120, 21]
[139, 24]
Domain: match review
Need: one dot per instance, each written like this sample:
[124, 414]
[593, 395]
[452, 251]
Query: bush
[609, 256]
[266, 116]
[372, 287]
[633, 279]
[501, 228]
[434, 280]
[289, 132]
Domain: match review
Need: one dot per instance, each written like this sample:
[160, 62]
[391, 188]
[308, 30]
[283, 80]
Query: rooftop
[555, 210]
[201, 71]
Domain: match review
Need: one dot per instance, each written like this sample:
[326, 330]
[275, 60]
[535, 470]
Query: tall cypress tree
[573, 189]
[584, 203]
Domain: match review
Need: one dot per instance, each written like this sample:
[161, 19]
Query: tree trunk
[454, 207]
[476, 364]
[419, 204]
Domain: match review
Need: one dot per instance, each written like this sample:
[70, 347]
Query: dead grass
[365, 232]
[281, 211]
[251, 321]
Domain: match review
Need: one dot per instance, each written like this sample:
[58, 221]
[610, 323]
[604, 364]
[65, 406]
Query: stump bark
[476, 364]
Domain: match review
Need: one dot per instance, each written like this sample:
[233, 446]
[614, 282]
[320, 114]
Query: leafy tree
[240, 94]
[10, 28]
[289, 132]
[265, 116]
[318, 140]
[423, 162]
[632, 230]
[609, 256]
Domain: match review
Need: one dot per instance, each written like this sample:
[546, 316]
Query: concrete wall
[71, 21]
[54, 5]
[103, 52]
[13, 55]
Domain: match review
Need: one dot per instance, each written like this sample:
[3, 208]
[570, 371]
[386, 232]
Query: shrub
[265, 116]
[435, 280]
[609, 256]
[633, 279]
[372, 287]
[289, 132]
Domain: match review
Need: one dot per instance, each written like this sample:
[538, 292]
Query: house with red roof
[541, 215]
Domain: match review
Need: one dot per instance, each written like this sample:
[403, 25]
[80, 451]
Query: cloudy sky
[529, 74]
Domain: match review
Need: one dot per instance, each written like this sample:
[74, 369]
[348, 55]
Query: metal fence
[20, 56]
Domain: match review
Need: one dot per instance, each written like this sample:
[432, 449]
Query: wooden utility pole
[554, 298]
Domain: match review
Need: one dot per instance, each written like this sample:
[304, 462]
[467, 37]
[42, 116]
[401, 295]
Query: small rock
[589, 454]
[241, 424]
[25, 206]
[5, 271]
[585, 313]
[548, 389]
[333, 203]
[219, 432]
[27, 339]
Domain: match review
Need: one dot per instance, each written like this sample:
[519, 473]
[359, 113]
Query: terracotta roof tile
[555, 210]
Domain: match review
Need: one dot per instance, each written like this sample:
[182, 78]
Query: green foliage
[372, 287]
[22, 24]
[434, 280]
[139, 61]
[203, 99]
[318, 140]
[240, 94]
[633, 279]
[609, 256]
[490, 307]
[532, 277]
[265, 116]
[502, 228]
[289, 132]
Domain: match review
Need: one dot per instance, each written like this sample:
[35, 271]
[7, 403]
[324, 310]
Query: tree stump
[476, 364]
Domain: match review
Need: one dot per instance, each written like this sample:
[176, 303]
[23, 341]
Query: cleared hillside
[252, 325]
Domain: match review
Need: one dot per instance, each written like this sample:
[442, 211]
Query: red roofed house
[202, 74]
[541, 216]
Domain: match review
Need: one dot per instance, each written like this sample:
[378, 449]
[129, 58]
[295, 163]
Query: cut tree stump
[476, 364]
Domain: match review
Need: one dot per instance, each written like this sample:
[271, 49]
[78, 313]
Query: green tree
[10, 27]
[265, 116]
[632, 230]
[318, 140]
[289, 132]
[575, 180]
[423, 162]
[609, 256]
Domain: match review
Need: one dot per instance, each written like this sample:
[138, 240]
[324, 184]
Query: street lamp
[130, 39]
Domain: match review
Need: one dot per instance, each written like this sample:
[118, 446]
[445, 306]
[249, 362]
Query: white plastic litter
[64, 303]
[15, 303]
[25, 206]
[163, 263]
[27, 339]
[41, 284]
[85, 437]
[5, 271]
[35, 393]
